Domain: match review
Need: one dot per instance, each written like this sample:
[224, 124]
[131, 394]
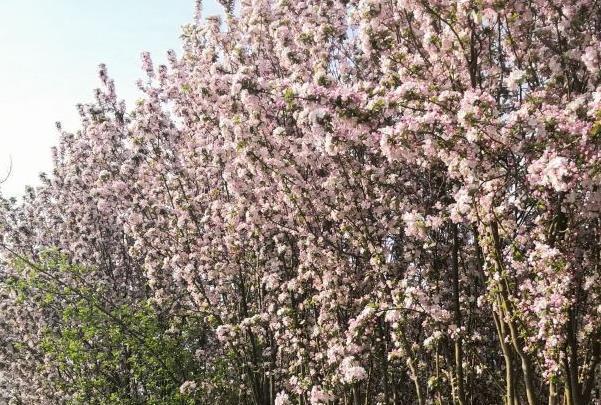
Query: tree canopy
[324, 202]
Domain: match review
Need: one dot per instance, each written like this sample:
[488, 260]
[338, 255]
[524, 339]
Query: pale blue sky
[49, 53]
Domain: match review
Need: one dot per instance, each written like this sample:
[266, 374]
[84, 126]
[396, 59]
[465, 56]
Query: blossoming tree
[328, 202]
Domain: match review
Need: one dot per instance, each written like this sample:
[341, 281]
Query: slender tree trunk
[567, 393]
[510, 398]
[526, 366]
[355, 396]
[457, 313]
[590, 379]
[411, 364]
[384, 362]
[552, 393]
[506, 307]
[573, 359]
[509, 377]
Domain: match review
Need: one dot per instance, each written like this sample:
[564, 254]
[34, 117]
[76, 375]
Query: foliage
[103, 352]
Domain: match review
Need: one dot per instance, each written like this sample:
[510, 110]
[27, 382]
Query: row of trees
[324, 202]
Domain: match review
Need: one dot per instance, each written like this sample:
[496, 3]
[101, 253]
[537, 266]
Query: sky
[49, 54]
